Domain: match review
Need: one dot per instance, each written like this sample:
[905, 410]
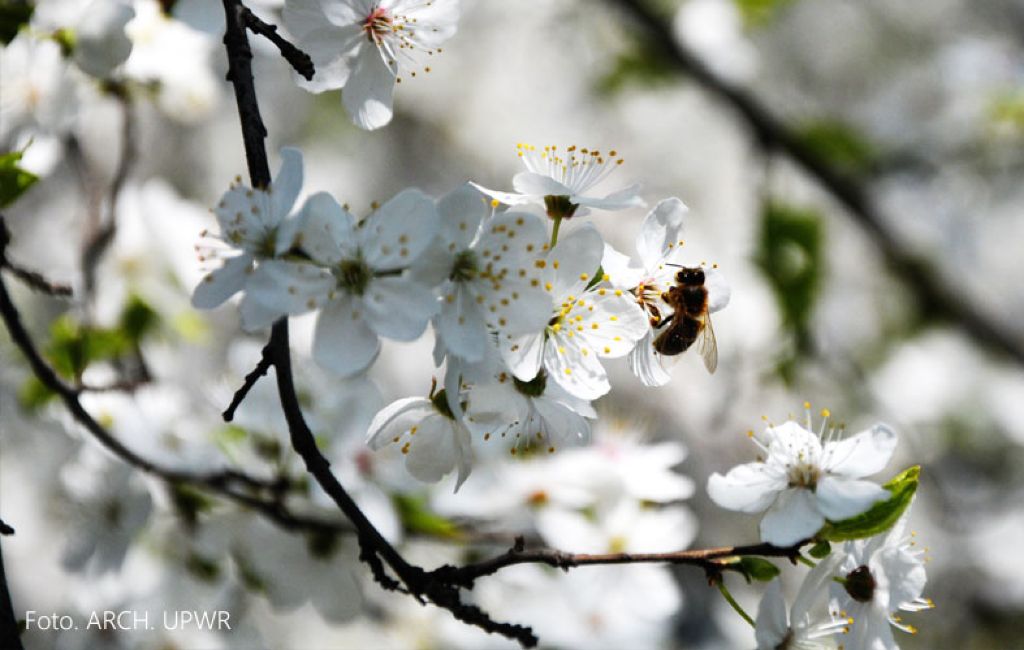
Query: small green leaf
[882, 516]
[839, 144]
[790, 255]
[189, 502]
[137, 319]
[756, 13]
[756, 568]
[34, 394]
[417, 517]
[640, 64]
[14, 181]
[820, 550]
[13, 16]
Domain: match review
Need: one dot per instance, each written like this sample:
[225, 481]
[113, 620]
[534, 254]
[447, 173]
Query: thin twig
[299, 60]
[250, 380]
[936, 295]
[5, 529]
[9, 631]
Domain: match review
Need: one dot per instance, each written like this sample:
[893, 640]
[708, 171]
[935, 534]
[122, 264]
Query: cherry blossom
[366, 46]
[590, 321]
[559, 182]
[798, 629]
[660, 246]
[101, 44]
[805, 480]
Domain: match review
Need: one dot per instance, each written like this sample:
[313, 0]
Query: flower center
[860, 584]
[377, 25]
[804, 475]
[560, 207]
[465, 267]
[440, 402]
[577, 169]
[533, 388]
[353, 276]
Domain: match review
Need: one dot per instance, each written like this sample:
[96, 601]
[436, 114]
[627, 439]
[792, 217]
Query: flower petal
[222, 283]
[574, 261]
[342, 341]
[333, 51]
[578, 372]
[622, 272]
[615, 324]
[287, 184]
[399, 308]
[460, 213]
[624, 198]
[433, 451]
[647, 364]
[750, 487]
[793, 517]
[508, 198]
[533, 184]
[661, 231]
[395, 419]
[842, 498]
[321, 227]
[368, 93]
[562, 426]
[461, 325]
[772, 624]
[400, 231]
[523, 354]
[718, 289]
[864, 454]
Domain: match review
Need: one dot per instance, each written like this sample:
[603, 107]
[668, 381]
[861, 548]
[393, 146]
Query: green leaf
[13, 16]
[756, 568]
[820, 550]
[74, 346]
[790, 255]
[839, 144]
[756, 13]
[137, 319]
[882, 516]
[640, 64]
[14, 181]
[34, 394]
[417, 517]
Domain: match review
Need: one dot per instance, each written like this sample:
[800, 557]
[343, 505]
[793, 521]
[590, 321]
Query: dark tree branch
[298, 59]
[9, 631]
[5, 529]
[250, 380]
[936, 295]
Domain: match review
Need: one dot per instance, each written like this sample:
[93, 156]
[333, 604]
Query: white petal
[614, 326]
[772, 625]
[222, 283]
[508, 198]
[321, 227]
[289, 287]
[460, 212]
[303, 16]
[751, 487]
[793, 517]
[255, 315]
[534, 184]
[647, 364]
[368, 93]
[661, 231]
[580, 374]
[399, 308]
[433, 451]
[395, 419]
[437, 20]
[399, 231]
[574, 261]
[523, 354]
[622, 272]
[625, 198]
[864, 454]
[333, 51]
[461, 325]
[718, 289]
[841, 498]
[563, 427]
[287, 184]
[342, 341]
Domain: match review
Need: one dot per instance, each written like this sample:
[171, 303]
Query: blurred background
[904, 307]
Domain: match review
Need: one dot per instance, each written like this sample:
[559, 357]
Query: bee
[690, 320]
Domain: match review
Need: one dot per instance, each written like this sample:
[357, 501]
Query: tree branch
[9, 630]
[250, 380]
[935, 294]
[299, 60]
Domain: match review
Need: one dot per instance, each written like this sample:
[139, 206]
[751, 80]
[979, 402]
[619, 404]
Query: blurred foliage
[756, 13]
[13, 16]
[416, 517]
[757, 568]
[14, 181]
[790, 253]
[881, 516]
[640, 64]
[838, 143]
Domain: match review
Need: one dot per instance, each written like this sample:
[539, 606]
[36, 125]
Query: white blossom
[432, 439]
[560, 184]
[660, 245]
[491, 282]
[36, 91]
[587, 324]
[101, 44]
[366, 46]
[800, 628]
[804, 480]
[871, 581]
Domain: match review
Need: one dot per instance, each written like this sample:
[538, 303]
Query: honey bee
[690, 320]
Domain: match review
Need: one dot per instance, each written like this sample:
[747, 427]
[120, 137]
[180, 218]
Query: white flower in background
[660, 246]
[251, 223]
[804, 480]
[522, 416]
[622, 526]
[560, 183]
[111, 506]
[100, 42]
[36, 92]
[491, 282]
[798, 629]
[366, 46]
[363, 288]
[178, 58]
[432, 439]
[585, 326]
[291, 569]
[871, 581]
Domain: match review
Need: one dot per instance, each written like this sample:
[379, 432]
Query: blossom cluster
[522, 318]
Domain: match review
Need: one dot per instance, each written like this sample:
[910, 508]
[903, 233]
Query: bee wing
[708, 345]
